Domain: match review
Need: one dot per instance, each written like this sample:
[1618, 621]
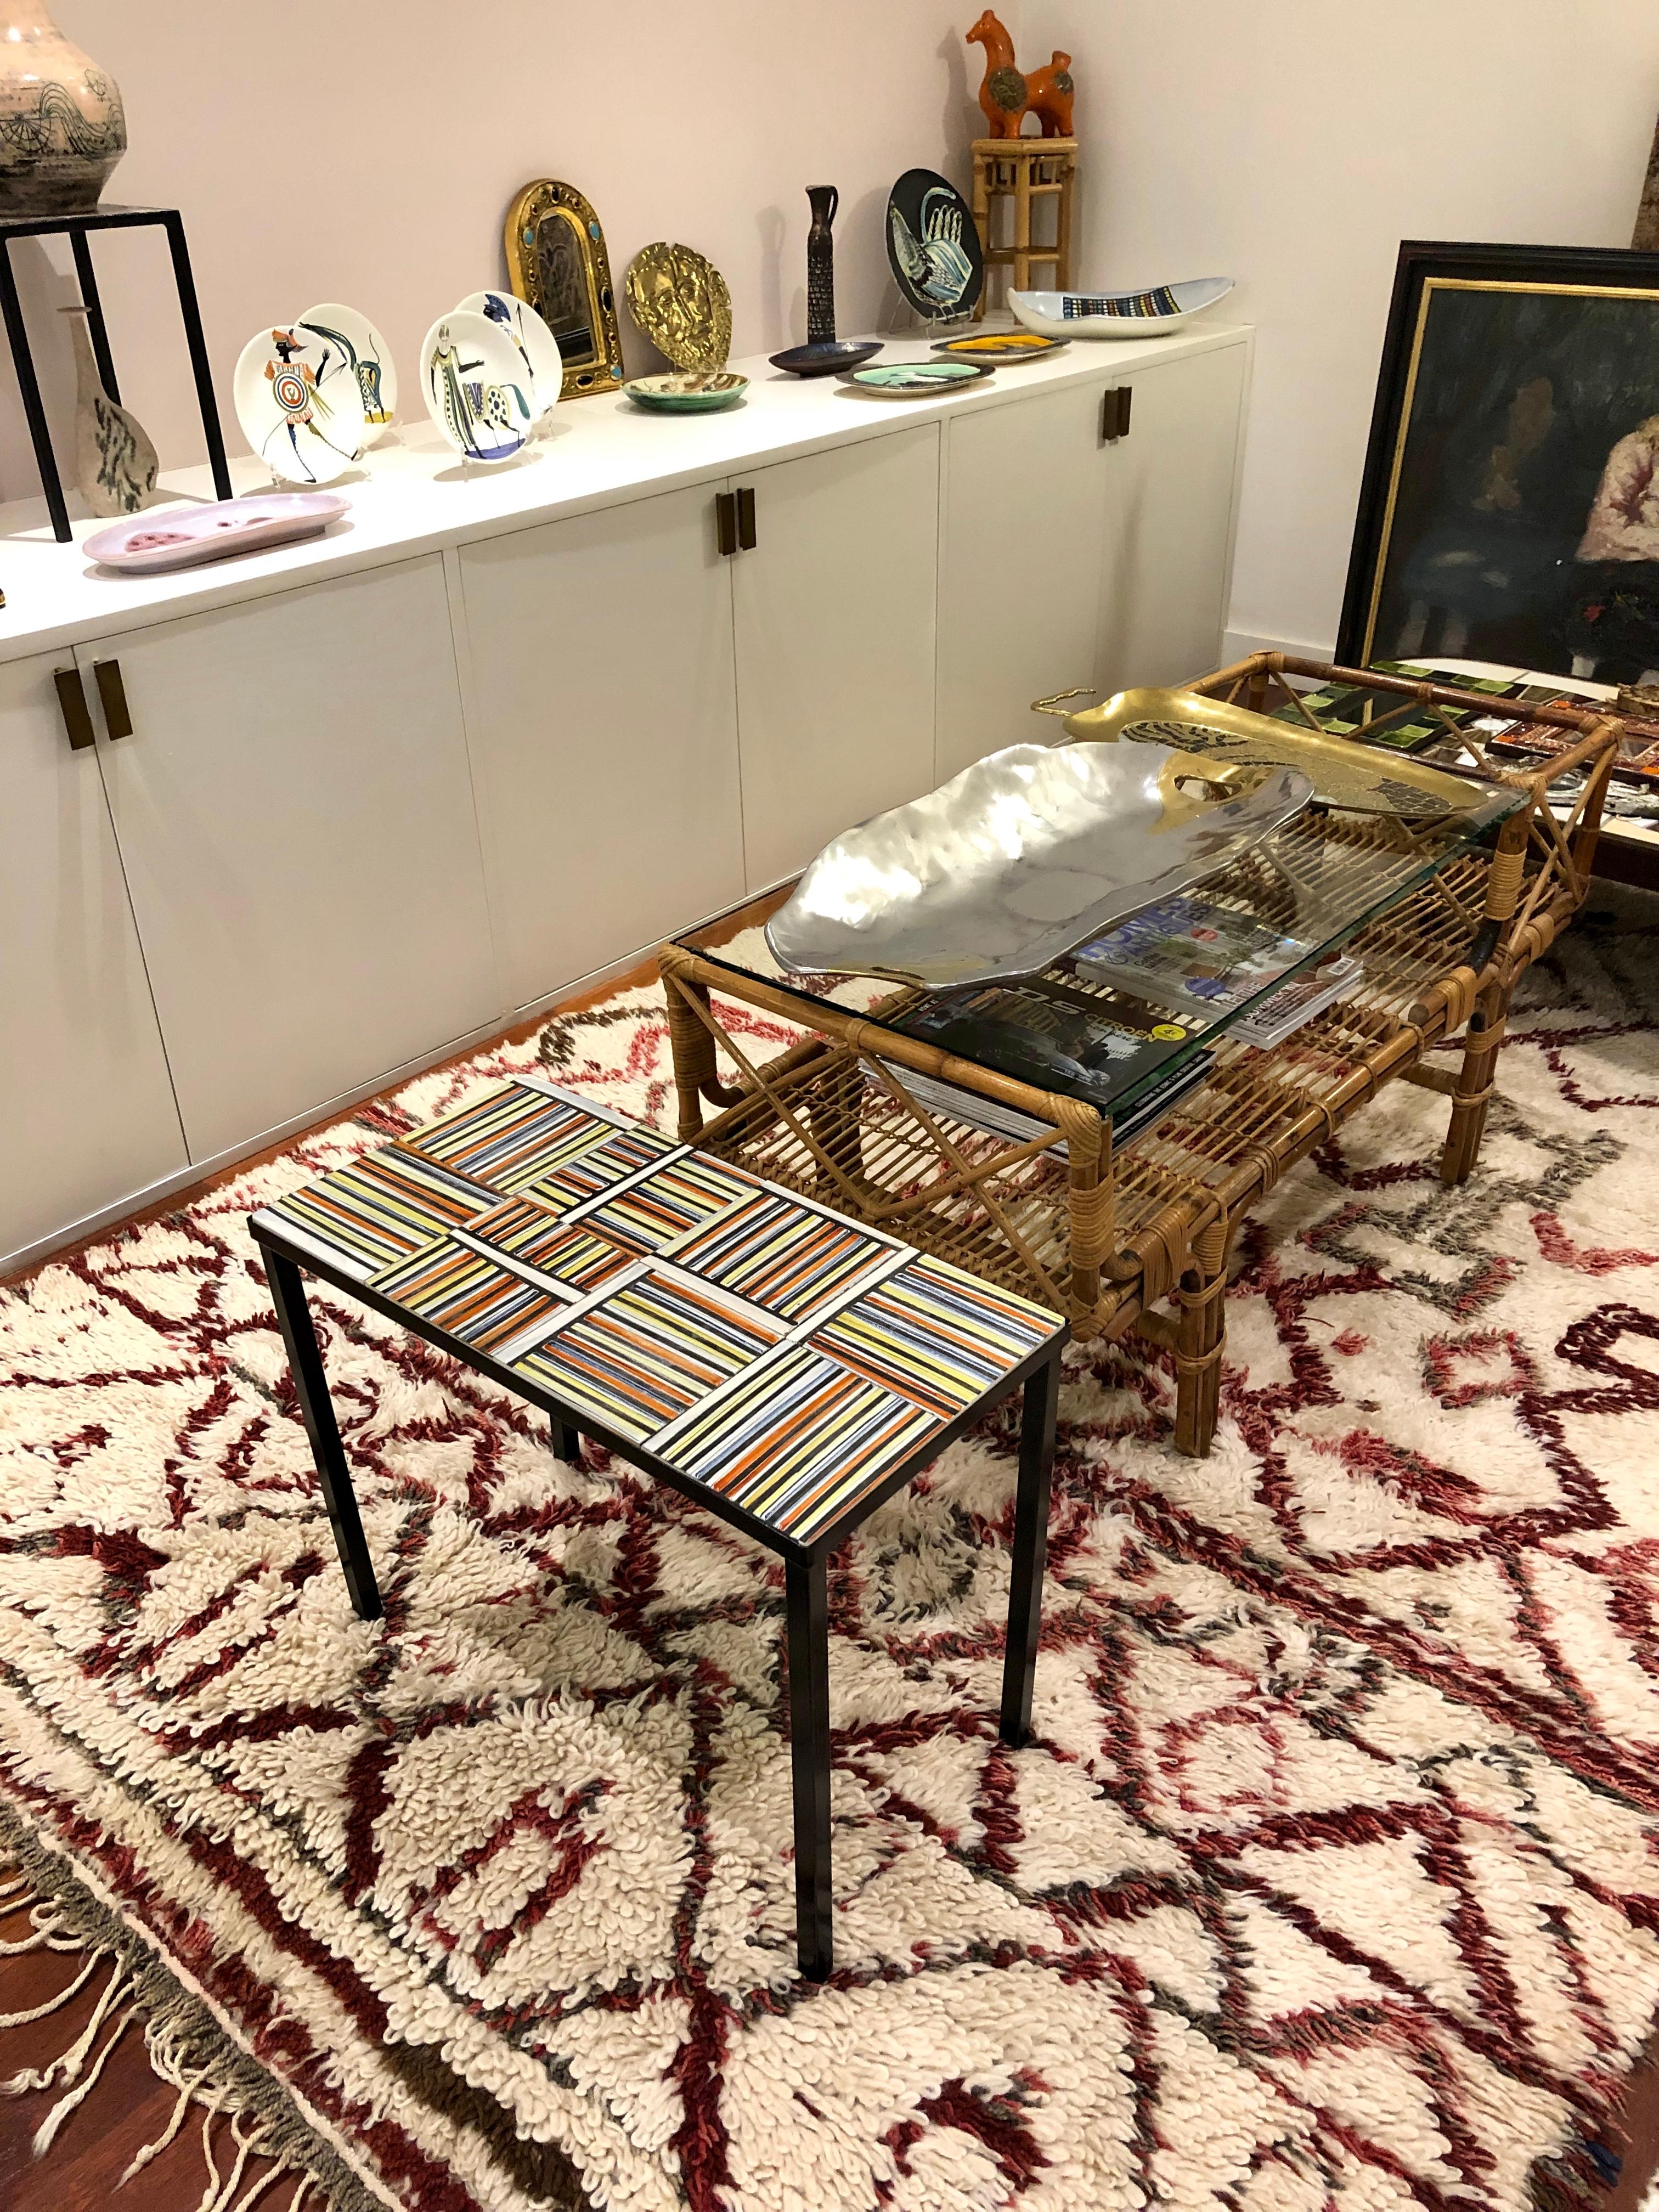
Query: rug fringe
[187, 2048]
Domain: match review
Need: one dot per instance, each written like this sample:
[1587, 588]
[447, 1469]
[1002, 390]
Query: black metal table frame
[805, 1565]
[76, 227]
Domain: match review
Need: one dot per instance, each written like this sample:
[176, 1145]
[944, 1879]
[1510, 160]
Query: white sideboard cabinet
[334, 811]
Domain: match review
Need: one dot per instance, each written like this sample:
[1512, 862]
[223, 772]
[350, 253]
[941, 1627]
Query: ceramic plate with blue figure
[536, 345]
[933, 244]
[477, 386]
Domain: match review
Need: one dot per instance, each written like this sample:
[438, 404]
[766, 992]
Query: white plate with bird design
[370, 357]
[477, 387]
[298, 401]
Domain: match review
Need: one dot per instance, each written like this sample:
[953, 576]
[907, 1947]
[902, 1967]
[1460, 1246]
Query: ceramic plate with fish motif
[933, 246]
[370, 357]
[181, 537]
[534, 339]
[300, 406]
[477, 386]
[916, 379]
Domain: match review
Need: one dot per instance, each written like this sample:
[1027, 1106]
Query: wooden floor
[130, 2107]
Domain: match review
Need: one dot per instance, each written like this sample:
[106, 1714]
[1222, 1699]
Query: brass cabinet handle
[1115, 407]
[78, 716]
[746, 519]
[117, 718]
[725, 522]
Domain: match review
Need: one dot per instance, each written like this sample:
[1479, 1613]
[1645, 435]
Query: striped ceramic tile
[782, 1256]
[511, 1137]
[472, 1297]
[622, 1152]
[798, 1440]
[381, 1208]
[537, 1238]
[681, 1196]
[646, 1351]
[938, 1336]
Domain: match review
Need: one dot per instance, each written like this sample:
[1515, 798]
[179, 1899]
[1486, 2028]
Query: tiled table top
[756, 1343]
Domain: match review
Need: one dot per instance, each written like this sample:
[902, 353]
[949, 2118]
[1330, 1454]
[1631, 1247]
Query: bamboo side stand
[1024, 171]
[1107, 1240]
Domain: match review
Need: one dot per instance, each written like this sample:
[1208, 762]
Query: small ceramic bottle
[823, 199]
[62, 125]
[115, 463]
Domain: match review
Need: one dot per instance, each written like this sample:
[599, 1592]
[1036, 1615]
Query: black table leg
[808, 1601]
[306, 1361]
[29, 391]
[567, 1442]
[1037, 1460]
[198, 355]
[81, 246]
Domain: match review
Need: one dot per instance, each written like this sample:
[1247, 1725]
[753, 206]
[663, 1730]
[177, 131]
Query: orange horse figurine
[1007, 98]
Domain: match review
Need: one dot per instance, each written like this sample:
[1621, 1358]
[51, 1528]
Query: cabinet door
[834, 612]
[1172, 521]
[294, 812]
[86, 1116]
[1027, 497]
[605, 733]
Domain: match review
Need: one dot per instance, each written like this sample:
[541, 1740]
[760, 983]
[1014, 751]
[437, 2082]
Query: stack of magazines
[1202, 960]
[1294, 1003]
[1055, 1038]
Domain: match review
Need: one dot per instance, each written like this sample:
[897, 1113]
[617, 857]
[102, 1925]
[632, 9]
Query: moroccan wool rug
[1331, 1875]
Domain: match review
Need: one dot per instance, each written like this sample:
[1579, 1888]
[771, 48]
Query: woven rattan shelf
[1106, 1240]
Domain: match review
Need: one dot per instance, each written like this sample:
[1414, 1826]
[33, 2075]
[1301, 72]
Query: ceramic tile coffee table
[784, 1367]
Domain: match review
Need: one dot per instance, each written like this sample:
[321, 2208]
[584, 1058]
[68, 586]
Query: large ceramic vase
[823, 199]
[62, 125]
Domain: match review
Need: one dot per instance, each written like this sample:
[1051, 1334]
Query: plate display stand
[1107, 1237]
[1024, 172]
[75, 229]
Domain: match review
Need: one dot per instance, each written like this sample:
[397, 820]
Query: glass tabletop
[1132, 1020]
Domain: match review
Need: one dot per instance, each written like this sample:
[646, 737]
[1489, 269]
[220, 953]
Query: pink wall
[368, 153]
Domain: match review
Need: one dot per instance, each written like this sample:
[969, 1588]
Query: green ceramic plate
[914, 379]
[682, 392]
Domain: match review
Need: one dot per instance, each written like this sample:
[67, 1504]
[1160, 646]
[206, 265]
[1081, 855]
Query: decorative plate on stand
[536, 345]
[933, 246]
[369, 355]
[300, 406]
[477, 386]
[679, 299]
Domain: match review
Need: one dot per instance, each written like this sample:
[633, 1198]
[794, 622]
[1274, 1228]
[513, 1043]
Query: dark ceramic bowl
[828, 358]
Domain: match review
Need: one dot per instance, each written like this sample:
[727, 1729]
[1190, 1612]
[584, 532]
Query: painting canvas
[1510, 511]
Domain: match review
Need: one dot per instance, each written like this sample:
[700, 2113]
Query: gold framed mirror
[556, 260]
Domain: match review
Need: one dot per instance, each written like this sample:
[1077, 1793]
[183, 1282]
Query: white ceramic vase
[62, 125]
[115, 463]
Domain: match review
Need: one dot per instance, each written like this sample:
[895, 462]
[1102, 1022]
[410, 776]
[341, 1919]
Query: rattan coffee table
[1443, 921]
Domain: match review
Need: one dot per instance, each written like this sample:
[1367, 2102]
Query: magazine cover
[1202, 959]
[1038, 1035]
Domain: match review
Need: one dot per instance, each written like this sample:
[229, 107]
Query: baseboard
[1237, 644]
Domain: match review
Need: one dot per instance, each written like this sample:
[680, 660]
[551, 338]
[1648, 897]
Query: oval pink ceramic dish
[179, 537]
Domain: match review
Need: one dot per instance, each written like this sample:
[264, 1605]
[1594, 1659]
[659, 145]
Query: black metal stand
[305, 1361]
[75, 228]
[1037, 1460]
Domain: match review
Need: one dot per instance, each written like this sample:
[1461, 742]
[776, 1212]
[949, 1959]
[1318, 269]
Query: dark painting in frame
[1510, 507]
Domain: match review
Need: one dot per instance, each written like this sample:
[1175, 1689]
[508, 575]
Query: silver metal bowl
[1020, 859]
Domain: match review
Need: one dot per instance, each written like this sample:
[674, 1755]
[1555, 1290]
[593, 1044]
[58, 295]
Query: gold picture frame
[556, 260]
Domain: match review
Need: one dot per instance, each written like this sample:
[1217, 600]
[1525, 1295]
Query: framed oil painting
[1510, 507]
[556, 260]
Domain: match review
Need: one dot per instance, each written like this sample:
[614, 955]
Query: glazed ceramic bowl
[544, 363]
[828, 358]
[916, 379]
[1145, 315]
[682, 392]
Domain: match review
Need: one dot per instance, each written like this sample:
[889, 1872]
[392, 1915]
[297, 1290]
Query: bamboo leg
[1022, 225]
[1092, 1210]
[1200, 1341]
[691, 1042]
[1474, 1089]
[982, 224]
[1067, 170]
